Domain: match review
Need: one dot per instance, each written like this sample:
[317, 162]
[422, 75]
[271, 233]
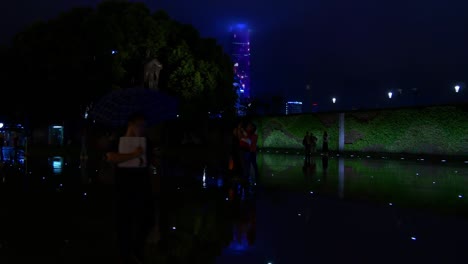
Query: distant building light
[1, 125]
[334, 100]
[390, 95]
[57, 126]
[236, 64]
[457, 88]
[293, 107]
[241, 90]
[114, 52]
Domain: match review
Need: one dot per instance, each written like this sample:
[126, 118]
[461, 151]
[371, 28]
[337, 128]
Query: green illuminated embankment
[429, 130]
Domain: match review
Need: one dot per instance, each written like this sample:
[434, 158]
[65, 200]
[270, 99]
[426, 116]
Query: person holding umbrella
[134, 184]
[135, 208]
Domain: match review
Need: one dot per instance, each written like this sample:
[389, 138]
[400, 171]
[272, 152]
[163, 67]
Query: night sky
[355, 50]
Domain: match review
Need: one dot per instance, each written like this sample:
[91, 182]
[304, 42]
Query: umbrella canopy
[114, 108]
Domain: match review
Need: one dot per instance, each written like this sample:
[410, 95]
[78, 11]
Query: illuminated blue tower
[240, 52]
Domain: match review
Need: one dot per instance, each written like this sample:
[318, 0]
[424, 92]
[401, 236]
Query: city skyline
[351, 51]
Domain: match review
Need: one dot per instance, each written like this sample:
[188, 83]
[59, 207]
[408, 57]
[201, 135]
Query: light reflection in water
[388, 180]
[204, 178]
[341, 177]
[403, 182]
[57, 164]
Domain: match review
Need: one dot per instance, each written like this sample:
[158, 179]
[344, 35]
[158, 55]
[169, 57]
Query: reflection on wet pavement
[353, 209]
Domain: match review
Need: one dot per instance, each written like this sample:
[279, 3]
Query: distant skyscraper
[240, 52]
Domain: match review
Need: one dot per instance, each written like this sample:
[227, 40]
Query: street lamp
[390, 95]
[457, 88]
[334, 100]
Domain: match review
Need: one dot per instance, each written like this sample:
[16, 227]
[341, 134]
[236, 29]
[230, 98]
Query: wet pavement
[358, 209]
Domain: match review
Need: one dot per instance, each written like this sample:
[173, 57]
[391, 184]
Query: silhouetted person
[325, 143]
[135, 209]
[307, 143]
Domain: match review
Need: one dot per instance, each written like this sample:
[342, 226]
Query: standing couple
[244, 151]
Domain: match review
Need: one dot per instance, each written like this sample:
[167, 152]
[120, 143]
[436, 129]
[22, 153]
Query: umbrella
[114, 108]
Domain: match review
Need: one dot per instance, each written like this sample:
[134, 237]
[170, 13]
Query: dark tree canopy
[55, 68]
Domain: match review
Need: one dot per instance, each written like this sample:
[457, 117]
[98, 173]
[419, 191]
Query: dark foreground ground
[352, 209]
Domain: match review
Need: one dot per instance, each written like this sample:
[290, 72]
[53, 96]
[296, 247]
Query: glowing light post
[390, 94]
[341, 128]
[334, 107]
[457, 88]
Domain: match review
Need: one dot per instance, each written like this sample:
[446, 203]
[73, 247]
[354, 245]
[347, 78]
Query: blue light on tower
[240, 52]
